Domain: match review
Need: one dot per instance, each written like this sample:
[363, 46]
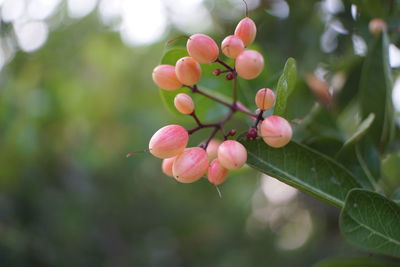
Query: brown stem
[218, 60]
[193, 114]
[259, 118]
[233, 106]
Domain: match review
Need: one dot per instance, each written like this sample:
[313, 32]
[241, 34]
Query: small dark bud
[217, 72]
[229, 76]
[252, 133]
[232, 132]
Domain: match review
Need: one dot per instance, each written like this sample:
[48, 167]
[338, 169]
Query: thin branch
[232, 107]
[234, 90]
[220, 61]
[193, 114]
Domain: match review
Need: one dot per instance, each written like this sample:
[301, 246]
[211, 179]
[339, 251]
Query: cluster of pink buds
[214, 158]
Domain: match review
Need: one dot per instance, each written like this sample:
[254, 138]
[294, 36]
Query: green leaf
[361, 130]
[171, 57]
[285, 86]
[303, 168]
[302, 94]
[370, 221]
[372, 9]
[319, 131]
[360, 156]
[391, 170]
[396, 196]
[350, 88]
[355, 262]
[376, 91]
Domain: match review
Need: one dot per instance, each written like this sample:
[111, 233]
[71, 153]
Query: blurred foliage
[70, 112]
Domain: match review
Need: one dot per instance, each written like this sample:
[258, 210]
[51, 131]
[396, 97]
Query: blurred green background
[76, 96]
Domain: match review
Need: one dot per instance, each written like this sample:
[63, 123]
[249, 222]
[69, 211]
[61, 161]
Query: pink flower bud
[265, 98]
[166, 166]
[246, 30]
[376, 26]
[168, 141]
[202, 48]
[276, 131]
[184, 103]
[190, 165]
[249, 64]
[188, 71]
[232, 155]
[164, 77]
[217, 174]
[212, 149]
[232, 46]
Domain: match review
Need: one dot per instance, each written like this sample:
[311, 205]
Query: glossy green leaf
[370, 221]
[285, 86]
[376, 91]
[355, 262]
[170, 57]
[303, 168]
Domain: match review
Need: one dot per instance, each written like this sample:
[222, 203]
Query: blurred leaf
[360, 156]
[370, 221]
[355, 262]
[361, 130]
[303, 168]
[391, 170]
[396, 196]
[285, 86]
[373, 9]
[301, 94]
[375, 91]
[352, 83]
[320, 131]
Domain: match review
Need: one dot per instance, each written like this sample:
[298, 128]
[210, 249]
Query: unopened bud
[212, 148]
[190, 165]
[252, 133]
[232, 132]
[232, 154]
[232, 46]
[217, 174]
[249, 64]
[188, 71]
[184, 103]
[276, 131]
[202, 48]
[164, 76]
[166, 166]
[265, 99]
[217, 72]
[168, 141]
[246, 30]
